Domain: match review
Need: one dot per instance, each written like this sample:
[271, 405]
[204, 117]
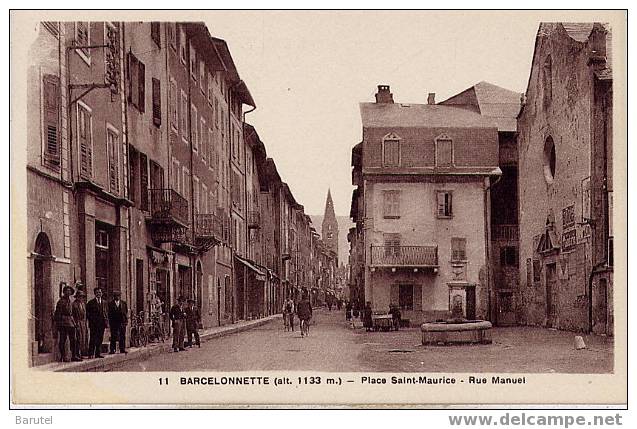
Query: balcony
[209, 230]
[504, 232]
[404, 256]
[254, 219]
[168, 207]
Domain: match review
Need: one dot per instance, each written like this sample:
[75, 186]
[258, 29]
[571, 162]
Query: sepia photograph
[371, 207]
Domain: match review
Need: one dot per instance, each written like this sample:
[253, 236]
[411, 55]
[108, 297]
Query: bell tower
[329, 228]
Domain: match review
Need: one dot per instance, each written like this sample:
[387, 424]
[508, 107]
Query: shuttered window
[143, 181]
[136, 83]
[391, 153]
[444, 152]
[184, 116]
[51, 120]
[392, 244]
[85, 138]
[444, 206]
[112, 147]
[458, 249]
[203, 133]
[195, 128]
[174, 103]
[142, 87]
[391, 204]
[156, 102]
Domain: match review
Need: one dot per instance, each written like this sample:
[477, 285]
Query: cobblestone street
[334, 346]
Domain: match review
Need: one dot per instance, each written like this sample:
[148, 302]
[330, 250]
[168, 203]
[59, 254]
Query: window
[216, 112]
[185, 183]
[155, 33]
[112, 147]
[391, 204]
[174, 103]
[85, 138]
[549, 160]
[83, 38]
[133, 174]
[406, 297]
[156, 102]
[193, 62]
[210, 90]
[204, 199]
[537, 271]
[211, 149]
[184, 116]
[391, 152]
[195, 196]
[182, 45]
[50, 120]
[508, 256]
[136, 83]
[143, 181]
[392, 244]
[444, 151]
[203, 134]
[176, 176]
[195, 128]
[458, 249]
[202, 76]
[444, 207]
[156, 175]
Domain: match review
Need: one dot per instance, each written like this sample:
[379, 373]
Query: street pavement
[334, 346]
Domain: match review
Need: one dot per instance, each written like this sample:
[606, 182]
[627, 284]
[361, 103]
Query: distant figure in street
[395, 316]
[348, 311]
[339, 304]
[329, 304]
[97, 315]
[367, 317]
[355, 309]
[78, 308]
[63, 318]
[304, 312]
[193, 318]
[288, 314]
[178, 317]
[117, 320]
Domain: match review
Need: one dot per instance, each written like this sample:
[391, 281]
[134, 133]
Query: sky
[307, 72]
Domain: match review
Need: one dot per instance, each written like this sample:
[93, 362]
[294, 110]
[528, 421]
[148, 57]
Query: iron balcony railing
[505, 232]
[254, 219]
[209, 226]
[166, 205]
[404, 256]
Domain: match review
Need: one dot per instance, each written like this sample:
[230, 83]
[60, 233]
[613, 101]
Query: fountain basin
[452, 332]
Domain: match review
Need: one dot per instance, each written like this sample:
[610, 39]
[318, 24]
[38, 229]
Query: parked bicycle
[156, 329]
[138, 333]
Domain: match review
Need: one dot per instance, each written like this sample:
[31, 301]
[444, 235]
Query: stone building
[426, 172]
[565, 180]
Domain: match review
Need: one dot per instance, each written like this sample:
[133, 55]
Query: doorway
[470, 309]
[43, 301]
[551, 280]
[139, 285]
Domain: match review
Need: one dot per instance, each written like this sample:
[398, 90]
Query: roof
[492, 101]
[421, 115]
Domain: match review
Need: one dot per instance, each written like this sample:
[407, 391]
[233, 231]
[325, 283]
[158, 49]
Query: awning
[260, 275]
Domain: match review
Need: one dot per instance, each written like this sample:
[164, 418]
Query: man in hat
[97, 315]
[117, 320]
[65, 324]
[177, 316]
[193, 318]
[78, 309]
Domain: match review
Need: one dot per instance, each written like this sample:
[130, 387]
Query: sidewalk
[135, 353]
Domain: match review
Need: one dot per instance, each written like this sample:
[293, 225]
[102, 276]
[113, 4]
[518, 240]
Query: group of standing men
[186, 320]
[74, 320]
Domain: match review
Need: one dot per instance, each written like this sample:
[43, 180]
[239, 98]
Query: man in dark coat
[97, 315]
[193, 318]
[65, 324]
[117, 320]
[367, 317]
[177, 316]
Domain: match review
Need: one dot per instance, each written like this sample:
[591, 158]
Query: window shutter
[51, 114]
[113, 167]
[156, 102]
[448, 196]
[458, 249]
[441, 203]
[131, 76]
[85, 139]
[142, 87]
[143, 180]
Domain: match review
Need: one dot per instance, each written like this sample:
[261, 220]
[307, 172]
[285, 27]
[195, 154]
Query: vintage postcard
[334, 208]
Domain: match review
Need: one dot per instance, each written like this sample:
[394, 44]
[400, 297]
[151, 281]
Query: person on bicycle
[304, 312]
[288, 313]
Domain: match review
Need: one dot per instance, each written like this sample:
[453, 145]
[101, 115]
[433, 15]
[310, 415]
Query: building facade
[426, 172]
[565, 185]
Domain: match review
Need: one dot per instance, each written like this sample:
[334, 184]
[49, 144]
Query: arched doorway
[42, 300]
[199, 282]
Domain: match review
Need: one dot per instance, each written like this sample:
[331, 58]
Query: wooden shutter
[444, 204]
[458, 249]
[113, 167]
[142, 87]
[85, 143]
[156, 102]
[132, 77]
[444, 156]
[50, 123]
[143, 181]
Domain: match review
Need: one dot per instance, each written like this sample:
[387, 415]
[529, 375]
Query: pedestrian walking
[78, 309]
[367, 317]
[304, 313]
[193, 319]
[117, 320]
[97, 316]
[348, 311]
[288, 314]
[178, 317]
[63, 318]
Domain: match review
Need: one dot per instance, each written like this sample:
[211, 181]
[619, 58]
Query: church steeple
[330, 225]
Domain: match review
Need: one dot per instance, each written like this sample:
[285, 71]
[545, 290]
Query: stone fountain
[457, 329]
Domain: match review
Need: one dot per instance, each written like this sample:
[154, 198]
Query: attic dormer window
[444, 151]
[391, 150]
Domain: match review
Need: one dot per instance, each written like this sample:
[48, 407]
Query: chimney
[431, 98]
[383, 95]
